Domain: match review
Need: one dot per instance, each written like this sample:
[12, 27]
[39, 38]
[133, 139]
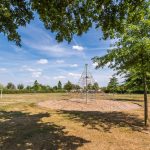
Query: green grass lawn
[24, 125]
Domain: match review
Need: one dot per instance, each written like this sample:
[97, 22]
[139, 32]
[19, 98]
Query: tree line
[131, 84]
[37, 87]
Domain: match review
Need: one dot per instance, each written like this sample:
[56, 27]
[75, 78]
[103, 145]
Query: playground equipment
[85, 82]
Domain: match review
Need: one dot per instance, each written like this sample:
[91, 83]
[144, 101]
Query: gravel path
[93, 105]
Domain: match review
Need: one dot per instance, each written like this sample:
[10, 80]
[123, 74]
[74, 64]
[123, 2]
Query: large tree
[70, 17]
[59, 85]
[134, 82]
[112, 85]
[36, 86]
[96, 86]
[20, 86]
[68, 86]
[11, 86]
[132, 53]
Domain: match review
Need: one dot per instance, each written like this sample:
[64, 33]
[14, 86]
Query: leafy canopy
[68, 86]
[70, 17]
[113, 84]
[132, 50]
[134, 81]
[59, 85]
[13, 14]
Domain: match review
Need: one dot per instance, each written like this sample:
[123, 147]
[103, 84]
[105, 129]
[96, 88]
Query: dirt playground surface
[91, 105]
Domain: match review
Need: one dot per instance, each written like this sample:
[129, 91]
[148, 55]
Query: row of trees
[130, 85]
[37, 87]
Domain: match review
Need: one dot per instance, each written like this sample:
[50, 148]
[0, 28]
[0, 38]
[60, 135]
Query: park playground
[28, 122]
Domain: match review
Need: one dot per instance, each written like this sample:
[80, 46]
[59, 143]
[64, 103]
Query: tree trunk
[145, 102]
[145, 92]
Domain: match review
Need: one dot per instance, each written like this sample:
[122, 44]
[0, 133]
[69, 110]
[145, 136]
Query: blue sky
[42, 58]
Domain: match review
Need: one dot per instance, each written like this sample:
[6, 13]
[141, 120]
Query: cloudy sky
[42, 58]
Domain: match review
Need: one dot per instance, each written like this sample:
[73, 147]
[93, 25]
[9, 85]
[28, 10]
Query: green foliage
[1, 86]
[55, 88]
[45, 87]
[20, 86]
[113, 85]
[68, 86]
[36, 86]
[132, 50]
[59, 85]
[68, 18]
[95, 86]
[13, 14]
[134, 82]
[89, 87]
[28, 87]
[11, 86]
[76, 87]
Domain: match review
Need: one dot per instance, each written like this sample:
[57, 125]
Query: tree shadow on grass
[21, 131]
[105, 121]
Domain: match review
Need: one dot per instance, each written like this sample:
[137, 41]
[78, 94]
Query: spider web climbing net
[85, 82]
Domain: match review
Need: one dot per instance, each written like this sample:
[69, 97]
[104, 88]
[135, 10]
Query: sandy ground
[92, 105]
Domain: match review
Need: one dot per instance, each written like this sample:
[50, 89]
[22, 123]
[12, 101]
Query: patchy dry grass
[24, 125]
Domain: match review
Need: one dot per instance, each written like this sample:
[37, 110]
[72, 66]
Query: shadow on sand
[127, 100]
[106, 120]
[21, 131]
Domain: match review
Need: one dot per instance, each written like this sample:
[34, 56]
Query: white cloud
[74, 75]
[3, 70]
[45, 43]
[59, 77]
[34, 72]
[30, 69]
[78, 48]
[95, 64]
[60, 61]
[42, 61]
[46, 77]
[74, 65]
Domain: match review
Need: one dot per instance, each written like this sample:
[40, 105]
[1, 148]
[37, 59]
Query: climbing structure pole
[86, 78]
